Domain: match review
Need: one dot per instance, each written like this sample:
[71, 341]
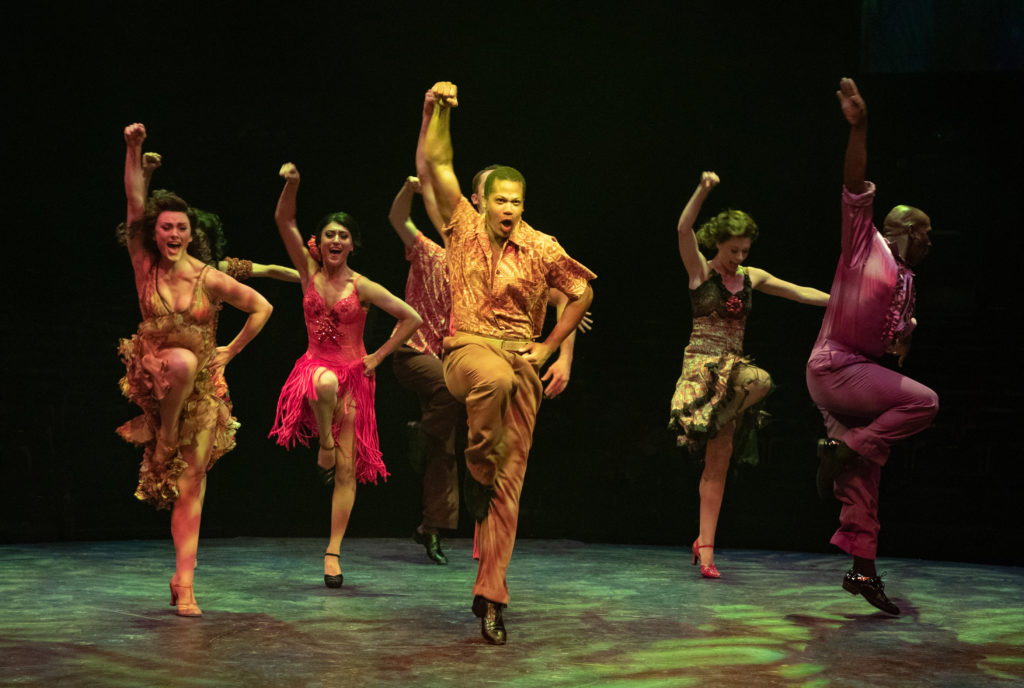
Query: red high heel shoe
[707, 571]
[184, 608]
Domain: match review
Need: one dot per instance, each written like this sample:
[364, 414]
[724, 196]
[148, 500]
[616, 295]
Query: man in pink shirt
[867, 407]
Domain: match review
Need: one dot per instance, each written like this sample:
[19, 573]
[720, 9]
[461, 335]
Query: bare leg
[323, 410]
[344, 495]
[712, 488]
[187, 513]
[181, 367]
[750, 385]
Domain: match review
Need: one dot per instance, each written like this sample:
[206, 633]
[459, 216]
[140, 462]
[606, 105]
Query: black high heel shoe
[332, 581]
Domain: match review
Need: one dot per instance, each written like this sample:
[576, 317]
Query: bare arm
[284, 216]
[399, 214]
[408, 320]
[245, 299]
[437, 150]
[278, 272]
[693, 260]
[422, 171]
[769, 284]
[856, 113]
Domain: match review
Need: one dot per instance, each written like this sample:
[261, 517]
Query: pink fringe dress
[336, 343]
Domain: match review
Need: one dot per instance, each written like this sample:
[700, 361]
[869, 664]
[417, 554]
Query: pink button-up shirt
[872, 296]
[428, 292]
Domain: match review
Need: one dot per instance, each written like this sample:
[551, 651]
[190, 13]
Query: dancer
[866, 406]
[174, 366]
[417, 366]
[500, 270]
[330, 391]
[713, 407]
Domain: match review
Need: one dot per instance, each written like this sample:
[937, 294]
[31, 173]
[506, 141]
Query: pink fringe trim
[294, 420]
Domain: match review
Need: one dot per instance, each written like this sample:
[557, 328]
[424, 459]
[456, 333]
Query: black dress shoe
[492, 627]
[432, 543]
[477, 497]
[834, 459]
[872, 588]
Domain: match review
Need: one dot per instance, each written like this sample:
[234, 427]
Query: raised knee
[500, 383]
[758, 386]
[326, 386]
[181, 364]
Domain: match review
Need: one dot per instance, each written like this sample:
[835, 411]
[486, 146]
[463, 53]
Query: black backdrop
[611, 114]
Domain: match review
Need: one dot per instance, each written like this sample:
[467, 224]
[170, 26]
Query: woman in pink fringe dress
[329, 393]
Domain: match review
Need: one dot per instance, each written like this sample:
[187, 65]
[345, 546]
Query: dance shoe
[325, 475]
[477, 497]
[332, 580]
[432, 543]
[872, 588]
[492, 627]
[708, 571]
[184, 608]
[834, 458]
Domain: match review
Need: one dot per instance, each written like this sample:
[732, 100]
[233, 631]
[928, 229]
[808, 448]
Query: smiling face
[732, 253]
[172, 234]
[336, 244]
[503, 209]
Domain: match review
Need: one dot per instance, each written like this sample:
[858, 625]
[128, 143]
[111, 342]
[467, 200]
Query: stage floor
[96, 614]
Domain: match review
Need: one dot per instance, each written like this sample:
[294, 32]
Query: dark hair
[347, 221]
[481, 173]
[161, 201]
[504, 173]
[728, 224]
[209, 232]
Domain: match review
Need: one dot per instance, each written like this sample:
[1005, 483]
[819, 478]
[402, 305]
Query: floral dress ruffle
[713, 355]
[207, 408]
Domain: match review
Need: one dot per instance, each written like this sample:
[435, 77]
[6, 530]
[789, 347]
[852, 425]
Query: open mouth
[506, 225]
[334, 250]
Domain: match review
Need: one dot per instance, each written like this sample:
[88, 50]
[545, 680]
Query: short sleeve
[563, 272]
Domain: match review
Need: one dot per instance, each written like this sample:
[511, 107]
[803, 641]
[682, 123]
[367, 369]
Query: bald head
[908, 229]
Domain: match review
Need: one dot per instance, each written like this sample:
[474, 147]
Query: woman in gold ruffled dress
[174, 366]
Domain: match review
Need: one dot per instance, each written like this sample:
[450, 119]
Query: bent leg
[482, 377]
[323, 407]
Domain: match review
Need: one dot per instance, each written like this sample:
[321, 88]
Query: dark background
[611, 114]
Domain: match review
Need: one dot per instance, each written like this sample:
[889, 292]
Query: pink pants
[868, 407]
[502, 393]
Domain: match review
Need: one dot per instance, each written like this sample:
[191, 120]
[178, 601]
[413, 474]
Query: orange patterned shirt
[507, 302]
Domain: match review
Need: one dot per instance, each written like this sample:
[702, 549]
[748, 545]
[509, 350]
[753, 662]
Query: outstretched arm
[693, 260]
[422, 170]
[769, 284]
[408, 320]
[437, 149]
[284, 216]
[134, 181]
[399, 214]
[856, 113]
[278, 272]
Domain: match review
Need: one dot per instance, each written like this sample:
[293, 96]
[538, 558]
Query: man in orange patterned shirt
[500, 271]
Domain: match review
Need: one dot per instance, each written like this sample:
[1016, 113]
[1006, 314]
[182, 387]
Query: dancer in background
[714, 406]
[174, 366]
[867, 407]
[330, 391]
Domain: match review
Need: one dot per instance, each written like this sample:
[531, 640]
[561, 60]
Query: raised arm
[693, 260]
[245, 299]
[399, 214]
[284, 216]
[769, 284]
[134, 181]
[856, 113]
[422, 170]
[408, 320]
[437, 149]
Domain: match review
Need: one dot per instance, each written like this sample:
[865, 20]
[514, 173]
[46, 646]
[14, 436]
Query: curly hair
[346, 221]
[208, 231]
[726, 225]
[158, 202]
